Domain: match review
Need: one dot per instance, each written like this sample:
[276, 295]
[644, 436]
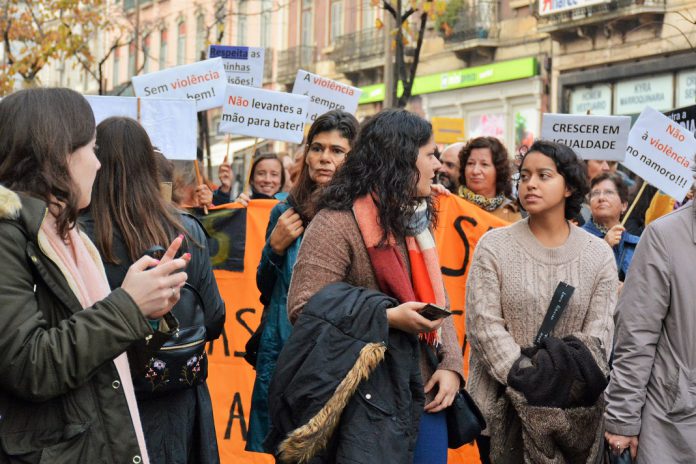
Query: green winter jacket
[61, 399]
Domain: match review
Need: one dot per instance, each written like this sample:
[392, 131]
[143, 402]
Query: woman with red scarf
[373, 230]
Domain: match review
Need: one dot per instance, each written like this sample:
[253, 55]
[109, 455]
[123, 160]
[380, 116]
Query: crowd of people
[579, 318]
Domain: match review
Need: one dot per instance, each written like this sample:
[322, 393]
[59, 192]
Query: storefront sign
[448, 130]
[547, 7]
[595, 99]
[633, 96]
[660, 151]
[590, 137]
[468, 77]
[686, 88]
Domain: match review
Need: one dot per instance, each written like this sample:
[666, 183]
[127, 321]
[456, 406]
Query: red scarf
[425, 282]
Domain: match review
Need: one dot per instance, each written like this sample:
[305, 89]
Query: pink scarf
[88, 281]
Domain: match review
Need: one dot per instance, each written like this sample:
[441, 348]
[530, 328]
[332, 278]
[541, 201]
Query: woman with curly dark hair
[513, 276]
[484, 177]
[373, 232]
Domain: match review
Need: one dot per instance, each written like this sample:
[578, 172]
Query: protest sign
[685, 117]
[243, 65]
[325, 94]
[590, 136]
[203, 82]
[264, 113]
[660, 151]
[170, 124]
[448, 130]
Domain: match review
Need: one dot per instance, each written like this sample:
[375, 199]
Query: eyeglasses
[606, 193]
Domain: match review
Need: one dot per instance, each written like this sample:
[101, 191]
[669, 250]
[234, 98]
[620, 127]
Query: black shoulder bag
[464, 419]
[181, 362]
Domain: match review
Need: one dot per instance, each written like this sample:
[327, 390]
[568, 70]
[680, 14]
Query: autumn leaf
[379, 24]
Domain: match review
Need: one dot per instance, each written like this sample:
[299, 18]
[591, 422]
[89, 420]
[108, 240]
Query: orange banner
[231, 379]
[460, 225]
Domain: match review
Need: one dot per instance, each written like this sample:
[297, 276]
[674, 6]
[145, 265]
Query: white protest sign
[660, 151]
[264, 113]
[590, 137]
[203, 82]
[171, 124]
[243, 65]
[325, 94]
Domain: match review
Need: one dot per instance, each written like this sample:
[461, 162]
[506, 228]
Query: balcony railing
[359, 50]
[292, 59]
[613, 10]
[477, 21]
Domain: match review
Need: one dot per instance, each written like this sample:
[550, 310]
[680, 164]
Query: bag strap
[559, 302]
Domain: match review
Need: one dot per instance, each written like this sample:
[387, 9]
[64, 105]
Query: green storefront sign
[468, 77]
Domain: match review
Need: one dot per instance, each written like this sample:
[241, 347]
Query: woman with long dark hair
[329, 141]
[66, 394]
[127, 217]
[373, 231]
[555, 400]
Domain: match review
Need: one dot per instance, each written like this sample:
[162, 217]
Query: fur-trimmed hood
[328, 397]
[10, 204]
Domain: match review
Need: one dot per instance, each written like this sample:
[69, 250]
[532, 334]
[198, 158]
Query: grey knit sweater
[511, 281]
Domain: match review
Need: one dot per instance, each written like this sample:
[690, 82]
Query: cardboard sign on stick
[171, 124]
[660, 151]
[264, 113]
[204, 82]
[325, 94]
[590, 137]
[243, 65]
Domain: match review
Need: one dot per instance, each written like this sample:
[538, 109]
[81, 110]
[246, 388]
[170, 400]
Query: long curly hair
[383, 163]
[500, 159]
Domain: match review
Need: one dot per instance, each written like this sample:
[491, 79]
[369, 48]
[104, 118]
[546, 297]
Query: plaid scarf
[425, 282]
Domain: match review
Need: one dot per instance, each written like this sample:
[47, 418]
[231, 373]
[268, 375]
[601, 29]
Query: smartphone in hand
[434, 312]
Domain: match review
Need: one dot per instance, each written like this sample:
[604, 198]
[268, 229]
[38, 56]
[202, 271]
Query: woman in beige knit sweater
[513, 276]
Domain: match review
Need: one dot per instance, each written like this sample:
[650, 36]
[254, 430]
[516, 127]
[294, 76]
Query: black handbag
[464, 419]
[181, 362]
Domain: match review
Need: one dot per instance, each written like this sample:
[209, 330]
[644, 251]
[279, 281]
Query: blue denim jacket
[623, 251]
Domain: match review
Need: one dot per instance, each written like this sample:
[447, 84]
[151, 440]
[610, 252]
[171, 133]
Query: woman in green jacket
[66, 394]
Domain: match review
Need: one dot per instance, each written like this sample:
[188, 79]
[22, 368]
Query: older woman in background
[608, 201]
[484, 177]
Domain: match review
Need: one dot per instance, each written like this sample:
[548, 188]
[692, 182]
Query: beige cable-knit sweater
[510, 285]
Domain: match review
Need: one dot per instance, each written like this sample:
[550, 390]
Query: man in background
[448, 174]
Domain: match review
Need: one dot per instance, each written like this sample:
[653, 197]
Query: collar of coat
[28, 210]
